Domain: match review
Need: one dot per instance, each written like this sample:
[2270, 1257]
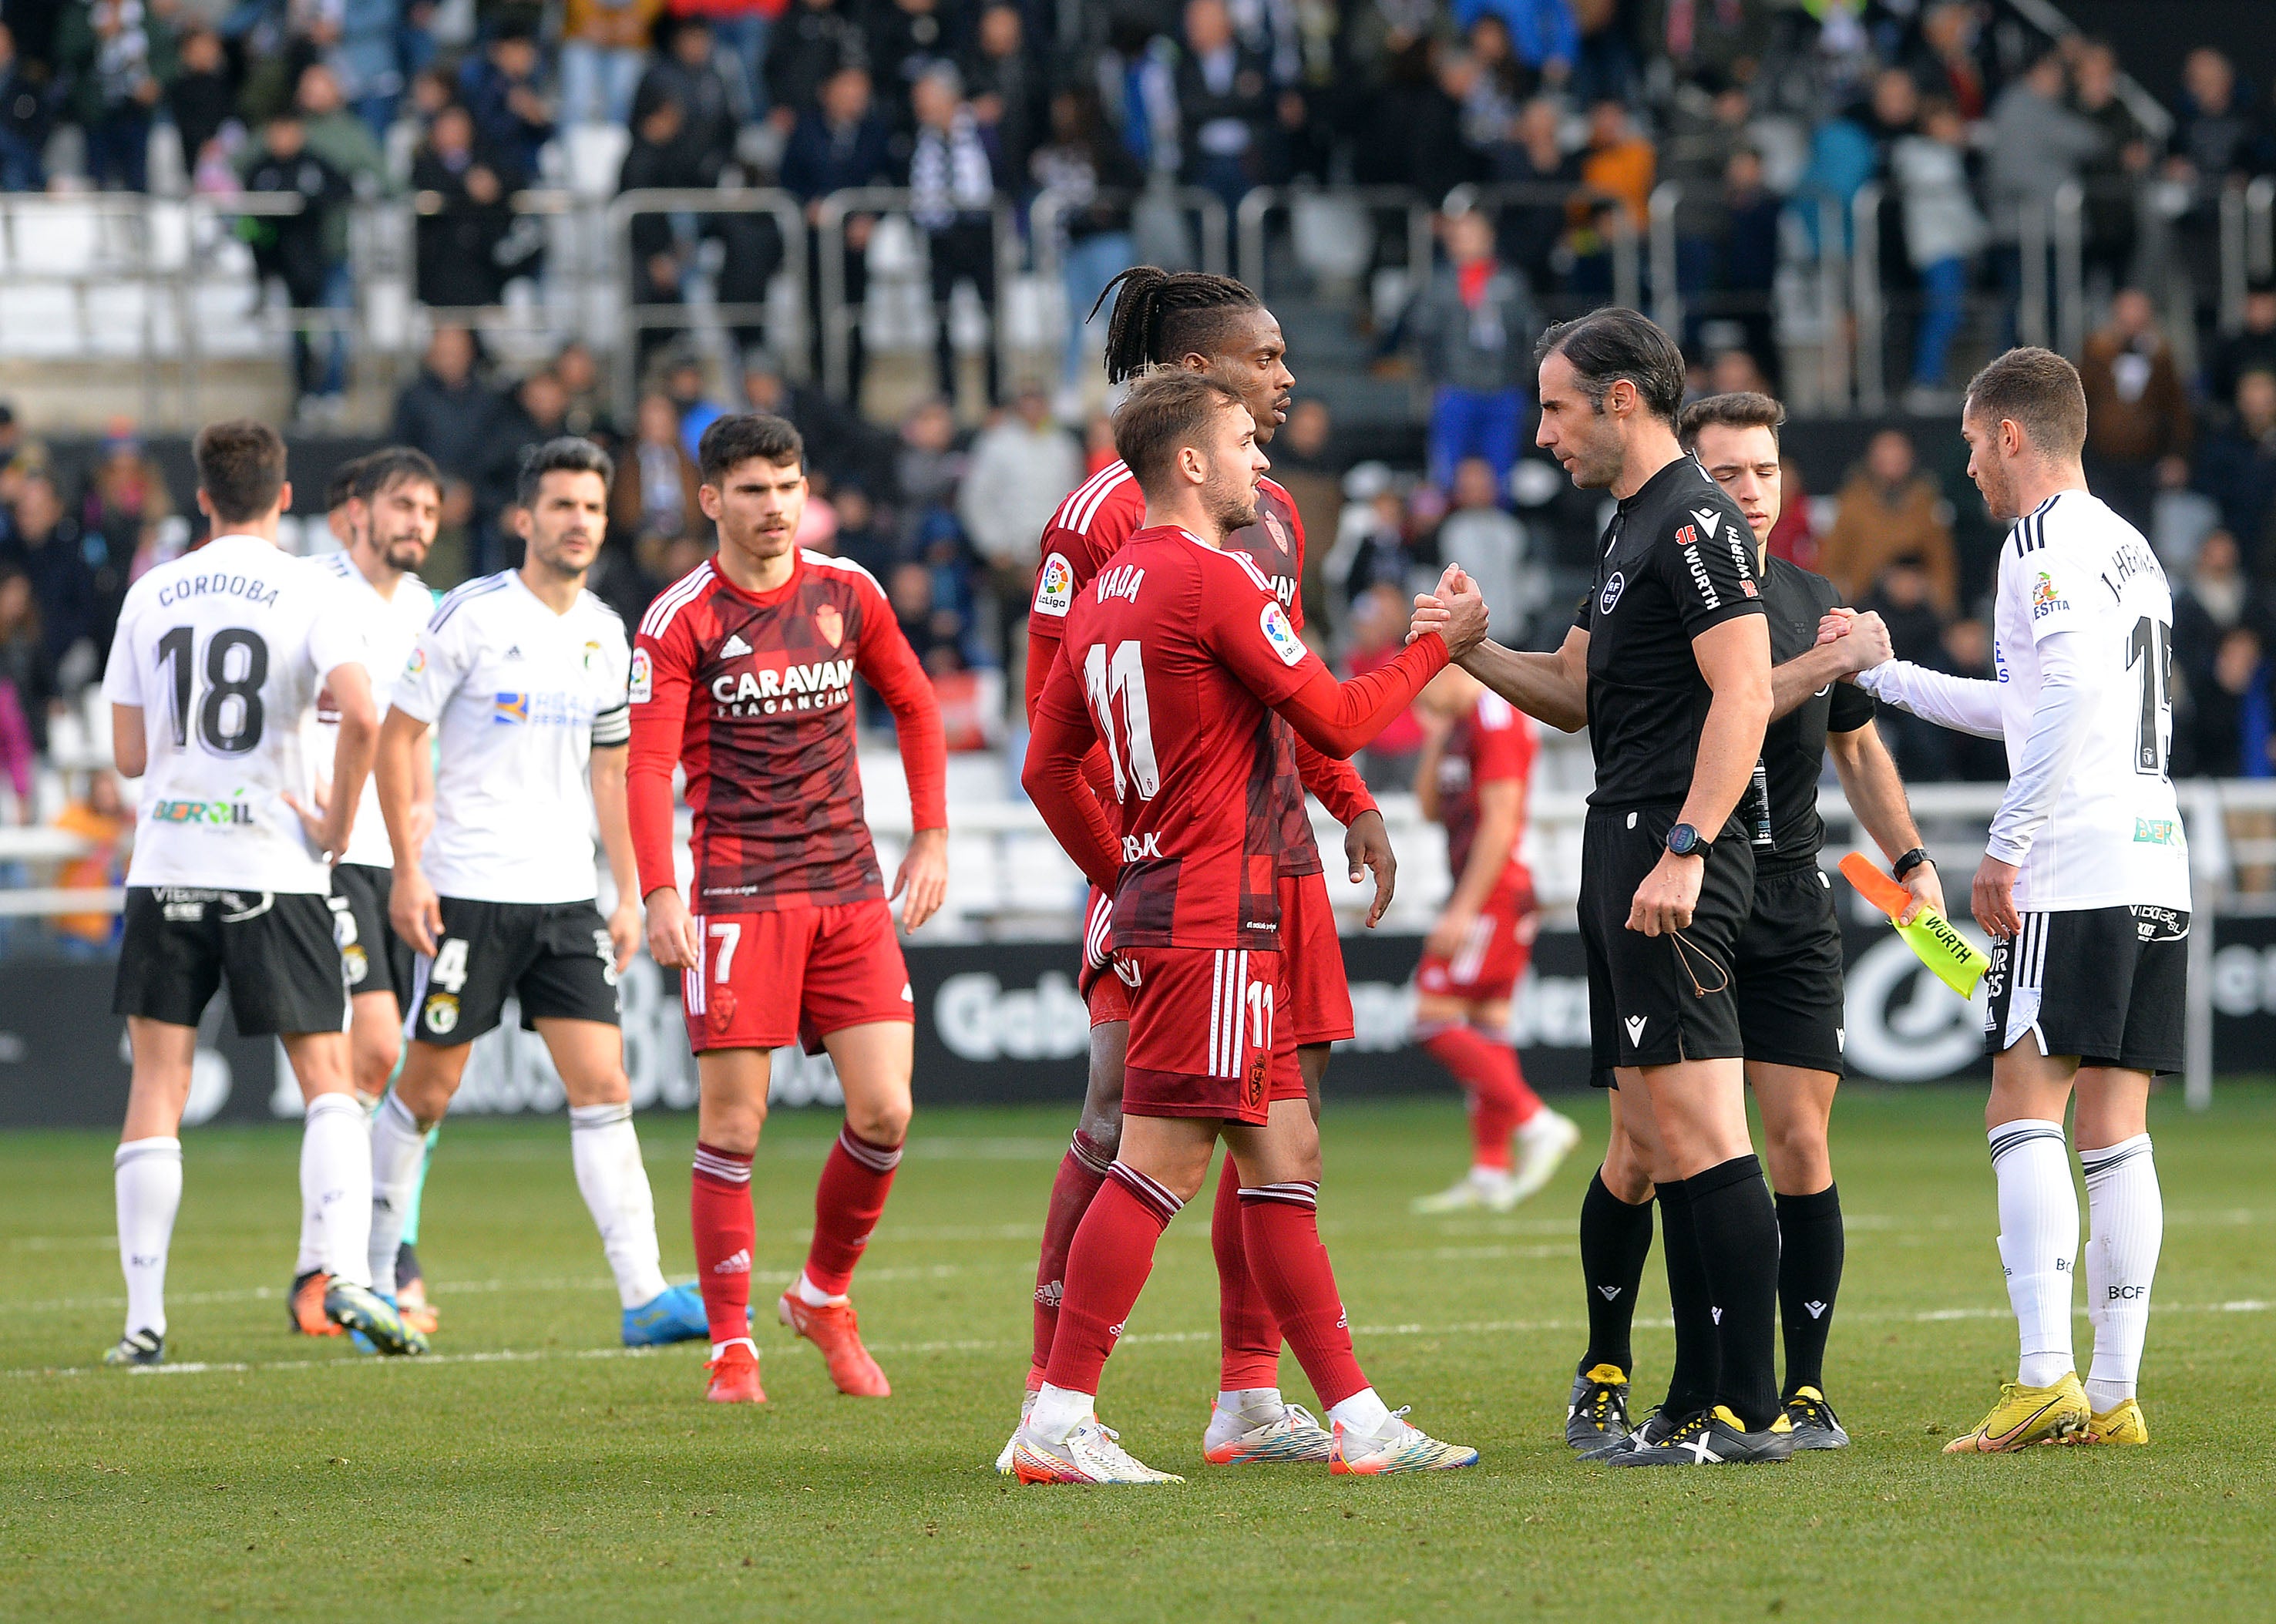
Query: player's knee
[1626, 1172]
[374, 1061]
[1101, 1123]
[881, 1122]
[1796, 1152]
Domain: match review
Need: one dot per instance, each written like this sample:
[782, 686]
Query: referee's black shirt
[1787, 832]
[1677, 559]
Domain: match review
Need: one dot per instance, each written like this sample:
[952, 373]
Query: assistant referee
[1668, 665]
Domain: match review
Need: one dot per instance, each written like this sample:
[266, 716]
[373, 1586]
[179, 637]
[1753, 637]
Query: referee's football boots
[1816, 1426]
[1712, 1437]
[1597, 1412]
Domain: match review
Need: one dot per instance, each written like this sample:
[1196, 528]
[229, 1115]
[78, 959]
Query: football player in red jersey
[1172, 658]
[1478, 756]
[742, 672]
[1191, 320]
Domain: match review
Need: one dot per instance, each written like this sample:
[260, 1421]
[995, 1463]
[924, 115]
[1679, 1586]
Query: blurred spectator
[1944, 60]
[1794, 537]
[861, 539]
[1022, 465]
[1944, 232]
[1500, 83]
[446, 411]
[1303, 463]
[1223, 91]
[1532, 229]
[690, 388]
[125, 500]
[841, 143]
[2252, 349]
[934, 632]
[1618, 160]
[930, 463]
[1006, 86]
[1542, 32]
[656, 158]
[586, 404]
[2137, 410]
[51, 549]
[2215, 143]
[1378, 623]
[529, 414]
[1081, 160]
[2237, 469]
[1889, 512]
[813, 41]
[2213, 598]
[2036, 145]
[907, 39]
[464, 220]
[26, 116]
[1371, 539]
[201, 99]
[689, 75]
[1902, 597]
[1472, 330]
[2115, 170]
[378, 41]
[840, 442]
[101, 817]
[2232, 721]
[307, 252]
[604, 47]
[503, 87]
[1490, 544]
[1704, 131]
[26, 665]
[952, 197]
[116, 56]
[657, 480]
[1967, 653]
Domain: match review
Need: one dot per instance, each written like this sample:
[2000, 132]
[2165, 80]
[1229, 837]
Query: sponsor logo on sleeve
[2046, 597]
[643, 678]
[417, 661]
[1281, 635]
[1054, 587]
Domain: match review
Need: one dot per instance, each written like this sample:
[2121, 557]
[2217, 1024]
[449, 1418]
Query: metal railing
[1045, 235]
[2247, 245]
[1262, 201]
[837, 319]
[1623, 243]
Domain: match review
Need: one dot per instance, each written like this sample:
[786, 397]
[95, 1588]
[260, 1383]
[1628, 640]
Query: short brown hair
[240, 469]
[1167, 410]
[1740, 409]
[732, 440]
[2039, 393]
[393, 465]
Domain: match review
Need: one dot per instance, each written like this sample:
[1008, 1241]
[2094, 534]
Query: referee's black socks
[1691, 1382]
[1809, 1277]
[1615, 1239]
[1738, 1228]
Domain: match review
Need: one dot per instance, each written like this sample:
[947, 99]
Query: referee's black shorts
[1789, 971]
[1654, 1000]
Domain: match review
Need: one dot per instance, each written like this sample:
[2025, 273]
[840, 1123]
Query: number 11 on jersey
[1123, 676]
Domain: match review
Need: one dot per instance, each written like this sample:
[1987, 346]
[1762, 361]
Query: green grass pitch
[534, 1469]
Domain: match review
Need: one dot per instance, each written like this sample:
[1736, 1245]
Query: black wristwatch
[1685, 841]
[1910, 861]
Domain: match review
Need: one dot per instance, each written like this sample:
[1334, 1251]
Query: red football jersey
[753, 693]
[1176, 651]
[1091, 525]
[1496, 740]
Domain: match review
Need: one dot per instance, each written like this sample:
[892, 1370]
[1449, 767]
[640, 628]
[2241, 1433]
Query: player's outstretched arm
[1965, 705]
[1806, 674]
[1549, 688]
[1876, 795]
[412, 907]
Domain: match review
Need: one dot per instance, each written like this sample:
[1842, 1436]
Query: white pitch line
[1486, 1327]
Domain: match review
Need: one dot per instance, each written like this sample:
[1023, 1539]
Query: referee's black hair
[1608, 344]
[568, 454]
[1162, 316]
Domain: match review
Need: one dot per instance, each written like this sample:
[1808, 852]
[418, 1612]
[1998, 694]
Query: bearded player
[1172, 659]
[1190, 320]
[742, 673]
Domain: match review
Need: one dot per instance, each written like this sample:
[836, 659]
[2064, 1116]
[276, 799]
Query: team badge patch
[442, 1013]
[357, 963]
[592, 649]
[1610, 595]
[1281, 635]
[643, 680]
[831, 624]
[1277, 531]
[1054, 587]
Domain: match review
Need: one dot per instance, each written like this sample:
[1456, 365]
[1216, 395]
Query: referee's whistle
[1956, 960]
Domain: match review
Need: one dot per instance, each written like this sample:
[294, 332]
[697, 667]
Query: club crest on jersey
[2045, 599]
[1277, 531]
[1054, 587]
[831, 624]
[1281, 635]
[592, 649]
[643, 678]
[1610, 595]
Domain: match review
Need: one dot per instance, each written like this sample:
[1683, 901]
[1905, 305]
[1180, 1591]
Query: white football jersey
[519, 696]
[2112, 835]
[390, 628]
[224, 650]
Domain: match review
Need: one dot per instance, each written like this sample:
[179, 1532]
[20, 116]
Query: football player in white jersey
[2084, 886]
[525, 674]
[216, 664]
[386, 509]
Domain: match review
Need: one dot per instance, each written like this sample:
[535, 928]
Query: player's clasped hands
[1865, 637]
[1455, 610]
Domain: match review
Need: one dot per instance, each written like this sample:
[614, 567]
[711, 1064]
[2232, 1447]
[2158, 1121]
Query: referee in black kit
[1668, 665]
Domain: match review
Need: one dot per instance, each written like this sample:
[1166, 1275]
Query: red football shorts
[1093, 979]
[1319, 1007]
[1492, 958]
[1206, 1036]
[763, 980]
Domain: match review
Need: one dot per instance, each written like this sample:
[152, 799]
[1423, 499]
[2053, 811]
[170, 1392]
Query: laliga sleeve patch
[643, 678]
[418, 661]
[1054, 587]
[1281, 635]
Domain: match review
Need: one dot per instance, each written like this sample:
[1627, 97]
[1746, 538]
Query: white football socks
[606, 1148]
[146, 1175]
[336, 1180]
[2127, 1224]
[399, 1145]
[1060, 1411]
[311, 1255]
[1363, 1413]
[2038, 1243]
[813, 1295]
[1241, 1410]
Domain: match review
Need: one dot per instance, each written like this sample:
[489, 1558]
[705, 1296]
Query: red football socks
[719, 1211]
[1501, 1102]
[1081, 1170]
[1107, 1266]
[1251, 1355]
[1282, 1224]
[847, 1204]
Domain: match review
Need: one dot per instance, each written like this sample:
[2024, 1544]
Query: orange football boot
[307, 1307]
[735, 1375]
[834, 1330]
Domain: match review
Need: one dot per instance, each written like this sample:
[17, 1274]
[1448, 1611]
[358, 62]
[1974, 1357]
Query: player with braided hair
[1165, 318]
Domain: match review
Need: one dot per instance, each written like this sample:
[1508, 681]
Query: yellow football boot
[2121, 1423]
[2028, 1415]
